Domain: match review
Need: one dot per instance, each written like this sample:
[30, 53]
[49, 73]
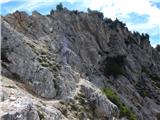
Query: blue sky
[139, 15]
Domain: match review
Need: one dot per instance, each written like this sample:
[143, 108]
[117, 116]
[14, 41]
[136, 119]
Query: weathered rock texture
[70, 57]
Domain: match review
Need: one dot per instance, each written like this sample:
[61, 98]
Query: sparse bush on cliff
[144, 36]
[152, 76]
[117, 23]
[95, 12]
[114, 66]
[59, 7]
[108, 20]
[112, 96]
[140, 86]
[158, 48]
[122, 25]
[135, 33]
[52, 12]
[124, 110]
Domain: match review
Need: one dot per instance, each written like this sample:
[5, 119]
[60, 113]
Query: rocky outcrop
[98, 102]
[18, 104]
[21, 110]
[51, 55]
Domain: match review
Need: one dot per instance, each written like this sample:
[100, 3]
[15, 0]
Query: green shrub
[16, 76]
[144, 36]
[4, 57]
[124, 110]
[41, 115]
[132, 40]
[10, 86]
[153, 77]
[52, 12]
[59, 7]
[111, 94]
[142, 87]
[107, 20]
[95, 12]
[114, 66]
[45, 64]
[158, 116]
[156, 79]
[122, 25]
[158, 48]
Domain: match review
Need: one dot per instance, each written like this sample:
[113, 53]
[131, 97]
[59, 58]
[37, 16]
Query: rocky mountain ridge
[92, 67]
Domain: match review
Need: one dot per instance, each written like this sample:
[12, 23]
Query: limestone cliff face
[94, 67]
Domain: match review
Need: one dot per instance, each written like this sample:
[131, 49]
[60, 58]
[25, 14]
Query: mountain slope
[80, 59]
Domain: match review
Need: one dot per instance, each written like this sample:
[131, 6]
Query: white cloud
[30, 5]
[111, 9]
[122, 8]
[4, 1]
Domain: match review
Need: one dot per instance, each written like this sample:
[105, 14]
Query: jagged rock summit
[72, 65]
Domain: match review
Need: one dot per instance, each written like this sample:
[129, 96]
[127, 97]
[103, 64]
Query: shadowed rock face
[47, 52]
